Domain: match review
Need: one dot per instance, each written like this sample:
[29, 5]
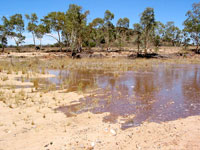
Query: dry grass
[35, 83]
[114, 64]
[4, 78]
[107, 64]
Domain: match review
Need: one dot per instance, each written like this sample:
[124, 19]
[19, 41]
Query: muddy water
[163, 93]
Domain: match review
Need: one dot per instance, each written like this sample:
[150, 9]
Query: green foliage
[75, 27]
[192, 23]
[108, 16]
[172, 33]
[96, 31]
[54, 22]
[123, 23]
[138, 30]
[148, 24]
[122, 29]
[157, 40]
[159, 33]
[3, 40]
[186, 39]
[109, 27]
[32, 24]
[13, 28]
[3, 35]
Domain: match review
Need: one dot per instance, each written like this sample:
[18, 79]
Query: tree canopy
[192, 23]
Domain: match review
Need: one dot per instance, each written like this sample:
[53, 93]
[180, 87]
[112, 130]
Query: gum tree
[148, 23]
[75, 26]
[95, 32]
[15, 28]
[122, 29]
[172, 33]
[185, 39]
[3, 36]
[159, 33]
[192, 24]
[40, 31]
[137, 28]
[32, 25]
[54, 23]
[109, 27]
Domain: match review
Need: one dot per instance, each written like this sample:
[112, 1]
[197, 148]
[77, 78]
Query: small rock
[98, 141]
[92, 144]
[113, 132]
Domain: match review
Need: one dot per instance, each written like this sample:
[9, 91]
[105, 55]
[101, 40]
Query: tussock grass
[107, 64]
[35, 83]
[4, 78]
[2, 97]
[114, 64]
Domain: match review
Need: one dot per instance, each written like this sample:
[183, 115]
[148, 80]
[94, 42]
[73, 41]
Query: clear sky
[165, 10]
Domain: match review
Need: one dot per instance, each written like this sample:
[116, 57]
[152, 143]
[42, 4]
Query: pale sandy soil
[28, 121]
[26, 54]
[30, 55]
[128, 51]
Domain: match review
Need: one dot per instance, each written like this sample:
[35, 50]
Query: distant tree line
[74, 32]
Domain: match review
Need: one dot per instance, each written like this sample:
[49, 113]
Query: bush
[92, 44]
[89, 44]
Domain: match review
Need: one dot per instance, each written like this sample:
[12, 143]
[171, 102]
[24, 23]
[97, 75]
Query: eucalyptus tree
[32, 24]
[109, 27]
[192, 24]
[160, 29]
[185, 39]
[96, 31]
[172, 33]
[54, 23]
[137, 28]
[75, 26]
[3, 36]
[159, 33]
[99, 30]
[4, 42]
[40, 31]
[12, 27]
[89, 37]
[16, 26]
[148, 23]
[122, 29]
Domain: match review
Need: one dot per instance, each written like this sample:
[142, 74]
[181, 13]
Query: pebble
[92, 144]
[113, 132]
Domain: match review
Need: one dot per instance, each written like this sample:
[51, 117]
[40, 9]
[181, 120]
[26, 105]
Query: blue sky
[165, 10]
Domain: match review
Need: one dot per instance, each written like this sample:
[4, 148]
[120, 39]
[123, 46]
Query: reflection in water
[163, 93]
